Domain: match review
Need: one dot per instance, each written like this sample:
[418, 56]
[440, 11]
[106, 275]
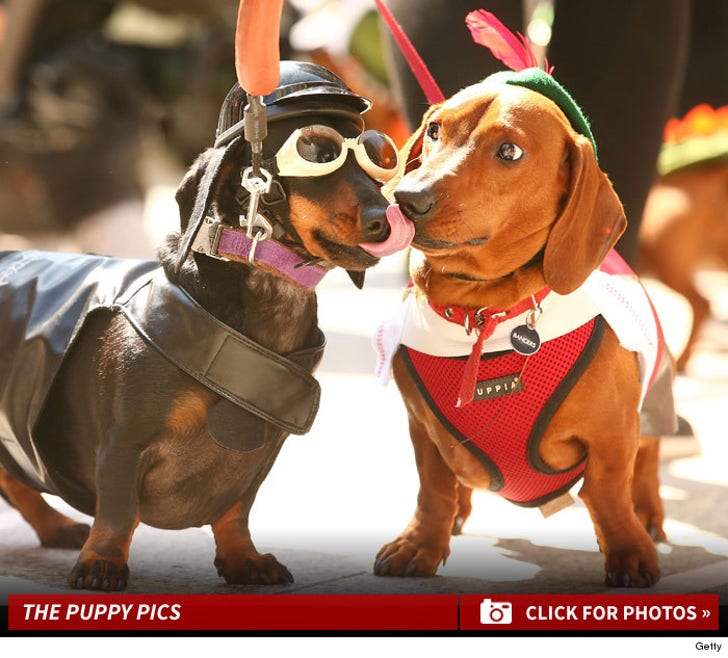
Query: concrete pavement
[337, 494]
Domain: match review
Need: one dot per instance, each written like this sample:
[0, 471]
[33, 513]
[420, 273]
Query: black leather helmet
[303, 88]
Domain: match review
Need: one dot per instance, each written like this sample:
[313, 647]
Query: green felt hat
[543, 83]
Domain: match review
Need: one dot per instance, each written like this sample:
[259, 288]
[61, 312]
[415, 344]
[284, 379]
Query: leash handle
[257, 51]
[432, 91]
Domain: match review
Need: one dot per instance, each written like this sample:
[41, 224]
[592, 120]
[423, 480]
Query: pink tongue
[402, 230]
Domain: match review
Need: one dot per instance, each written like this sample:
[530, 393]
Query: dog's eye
[433, 131]
[318, 148]
[509, 151]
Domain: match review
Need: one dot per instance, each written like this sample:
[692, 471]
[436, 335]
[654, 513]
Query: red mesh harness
[504, 432]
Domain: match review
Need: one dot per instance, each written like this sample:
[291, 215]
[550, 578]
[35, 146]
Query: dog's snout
[415, 204]
[374, 224]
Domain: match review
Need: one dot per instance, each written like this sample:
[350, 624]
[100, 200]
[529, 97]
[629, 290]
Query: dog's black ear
[187, 190]
[357, 278]
[195, 193]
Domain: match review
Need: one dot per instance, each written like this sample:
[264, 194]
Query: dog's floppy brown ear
[195, 193]
[589, 225]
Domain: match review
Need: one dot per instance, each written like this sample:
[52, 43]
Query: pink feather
[514, 51]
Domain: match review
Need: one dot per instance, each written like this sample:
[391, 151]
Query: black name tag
[495, 388]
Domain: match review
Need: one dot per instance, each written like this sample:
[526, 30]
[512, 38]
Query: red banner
[352, 612]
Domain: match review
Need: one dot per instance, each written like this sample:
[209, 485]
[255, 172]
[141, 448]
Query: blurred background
[105, 103]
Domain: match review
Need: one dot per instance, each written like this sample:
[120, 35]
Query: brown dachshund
[169, 401]
[685, 227]
[685, 221]
[512, 217]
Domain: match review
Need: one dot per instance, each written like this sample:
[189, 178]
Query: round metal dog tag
[525, 340]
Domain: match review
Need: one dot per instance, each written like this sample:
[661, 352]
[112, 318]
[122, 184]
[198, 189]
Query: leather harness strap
[279, 389]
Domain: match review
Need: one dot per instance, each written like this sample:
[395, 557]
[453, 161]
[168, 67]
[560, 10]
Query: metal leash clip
[255, 179]
[534, 315]
[258, 228]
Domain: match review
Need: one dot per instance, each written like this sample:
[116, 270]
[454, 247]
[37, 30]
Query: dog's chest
[515, 398]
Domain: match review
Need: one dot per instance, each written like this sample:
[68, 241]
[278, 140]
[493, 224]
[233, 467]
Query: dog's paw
[652, 522]
[457, 526]
[405, 558]
[65, 536]
[631, 569]
[253, 569]
[99, 574]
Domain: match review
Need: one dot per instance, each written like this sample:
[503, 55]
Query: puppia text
[102, 611]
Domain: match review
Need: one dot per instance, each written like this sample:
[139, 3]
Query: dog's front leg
[425, 542]
[102, 563]
[629, 552]
[236, 557]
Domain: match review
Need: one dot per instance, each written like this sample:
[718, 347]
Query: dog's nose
[415, 204]
[374, 224]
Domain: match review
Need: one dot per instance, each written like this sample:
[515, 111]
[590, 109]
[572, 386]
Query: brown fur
[491, 233]
[684, 227]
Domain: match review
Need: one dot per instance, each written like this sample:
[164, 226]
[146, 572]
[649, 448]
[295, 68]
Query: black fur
[125, 431]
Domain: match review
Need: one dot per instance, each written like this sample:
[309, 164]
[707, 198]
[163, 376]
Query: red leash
[421, 72]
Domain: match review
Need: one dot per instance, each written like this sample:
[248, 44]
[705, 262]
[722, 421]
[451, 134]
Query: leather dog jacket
[515, 398]
[45, 298]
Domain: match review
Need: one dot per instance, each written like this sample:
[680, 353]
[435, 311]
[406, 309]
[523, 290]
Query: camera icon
[496, 612]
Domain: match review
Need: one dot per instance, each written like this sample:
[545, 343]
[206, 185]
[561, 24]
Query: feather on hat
[516, 53]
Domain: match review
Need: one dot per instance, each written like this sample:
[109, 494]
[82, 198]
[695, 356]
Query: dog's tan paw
[652, 522]
[99, 574]
[631, 568]
[253, 569]
[405, 558]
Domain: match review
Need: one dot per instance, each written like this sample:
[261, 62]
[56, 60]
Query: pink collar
[228, 243]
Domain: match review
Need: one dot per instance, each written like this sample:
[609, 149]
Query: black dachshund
[142, 393]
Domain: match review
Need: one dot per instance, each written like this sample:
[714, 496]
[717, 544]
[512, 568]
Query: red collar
[472, 318]
[484, 321]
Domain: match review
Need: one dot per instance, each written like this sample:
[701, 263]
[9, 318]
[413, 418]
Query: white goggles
[319, 150]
